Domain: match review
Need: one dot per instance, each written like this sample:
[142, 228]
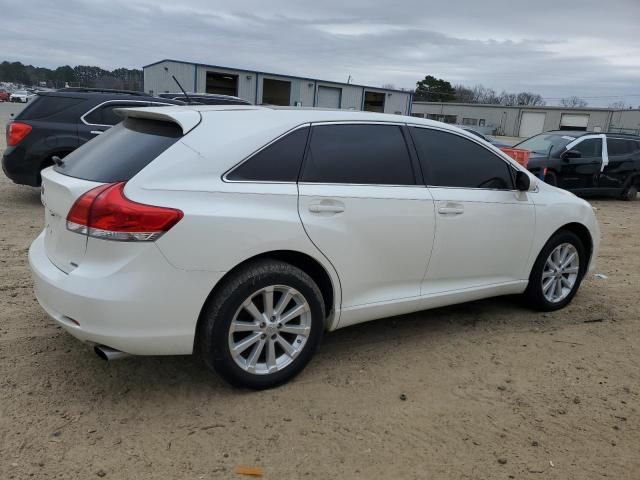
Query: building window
[470, 121]
[221, 83]
[443, 118]
[481, 122]
[276, 92]
[419, 115]
[373, 102]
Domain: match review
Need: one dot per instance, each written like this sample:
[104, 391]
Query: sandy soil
[491, 390]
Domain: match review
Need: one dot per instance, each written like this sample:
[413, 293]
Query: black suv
[587, 163]
[56, 123]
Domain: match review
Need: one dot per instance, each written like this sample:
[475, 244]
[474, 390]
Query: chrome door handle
[450, 209]
[96, 132]
[325, 208]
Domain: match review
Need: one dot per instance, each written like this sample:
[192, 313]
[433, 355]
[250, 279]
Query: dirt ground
[491, 390]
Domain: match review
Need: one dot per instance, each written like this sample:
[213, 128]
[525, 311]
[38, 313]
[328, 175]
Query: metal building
[268, 88]
[528, 121]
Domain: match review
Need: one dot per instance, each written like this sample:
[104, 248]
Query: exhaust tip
[108, 354]
[98, 350]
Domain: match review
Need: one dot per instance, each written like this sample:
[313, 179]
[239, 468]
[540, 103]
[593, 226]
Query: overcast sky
[556, 48]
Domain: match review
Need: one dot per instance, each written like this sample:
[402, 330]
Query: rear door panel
[379, 238]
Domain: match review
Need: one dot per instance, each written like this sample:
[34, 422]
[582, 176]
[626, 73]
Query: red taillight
[16, 131]
[104, 212]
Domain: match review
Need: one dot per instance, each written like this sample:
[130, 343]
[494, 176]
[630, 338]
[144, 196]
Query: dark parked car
[587, 163]
[54, 124]
[206, 98]
[487, 138]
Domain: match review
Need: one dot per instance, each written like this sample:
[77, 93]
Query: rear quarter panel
[224, 223]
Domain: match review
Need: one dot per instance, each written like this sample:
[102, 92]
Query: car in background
[241, 234]
[4, 95]
[487, 138]
[205, 98]
[587, 163]
[21, 96]
[54, 124]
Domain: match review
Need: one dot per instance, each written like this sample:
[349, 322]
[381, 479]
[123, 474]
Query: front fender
[555, 209]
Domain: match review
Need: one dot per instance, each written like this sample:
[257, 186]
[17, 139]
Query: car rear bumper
[21, 168]
[141, 306]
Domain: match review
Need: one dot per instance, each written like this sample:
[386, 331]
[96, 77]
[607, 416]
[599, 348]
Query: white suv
[242, 233]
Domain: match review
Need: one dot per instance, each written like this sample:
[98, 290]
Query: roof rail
[102, 90]
[633, 136]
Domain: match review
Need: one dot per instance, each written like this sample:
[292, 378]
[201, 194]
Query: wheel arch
[303, 261]
[582, 232]
[633, 179]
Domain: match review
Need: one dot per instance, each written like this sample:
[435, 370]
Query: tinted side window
[359, 154]
[617, 146]
[105, 115]
[44, 106]
[279, 162]
[591, 147]
[449, 160]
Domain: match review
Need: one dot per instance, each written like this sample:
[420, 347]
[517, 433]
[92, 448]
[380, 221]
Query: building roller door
[572, 121]
[532, 123]
[329, 97]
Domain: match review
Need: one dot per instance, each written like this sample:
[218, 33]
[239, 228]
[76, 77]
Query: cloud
[553, 48]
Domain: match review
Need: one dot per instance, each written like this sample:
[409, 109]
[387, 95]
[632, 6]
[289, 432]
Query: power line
[449, 94]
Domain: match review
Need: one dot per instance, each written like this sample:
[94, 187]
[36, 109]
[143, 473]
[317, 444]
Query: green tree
[433, 89]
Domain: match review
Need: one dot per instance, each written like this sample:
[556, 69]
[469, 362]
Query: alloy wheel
[270, 329]
[560, 272]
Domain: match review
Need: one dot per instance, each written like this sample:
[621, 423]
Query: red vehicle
[4, 95]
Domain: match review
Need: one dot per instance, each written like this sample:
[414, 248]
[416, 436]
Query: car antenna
[183, 91]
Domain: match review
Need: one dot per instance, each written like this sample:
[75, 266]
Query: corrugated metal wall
[501, 120]
[158, 80]
[625, 121]
[597, 119]
[246, 81]
[303, 91]
[506, 120]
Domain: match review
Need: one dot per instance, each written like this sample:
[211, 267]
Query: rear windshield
[44, 106]
[121, 152]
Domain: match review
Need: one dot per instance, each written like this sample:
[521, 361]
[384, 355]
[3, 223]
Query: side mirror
[523, 182]
[569, 154]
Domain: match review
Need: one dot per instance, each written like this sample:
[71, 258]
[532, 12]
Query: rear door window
[106, 115]
[358, 154]
[618, 146]
[450, 160]
[122, 151]
[278, 162]
[591, 147]
[44, 106]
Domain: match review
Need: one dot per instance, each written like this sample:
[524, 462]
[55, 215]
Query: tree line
[432, 89]
[78, 76]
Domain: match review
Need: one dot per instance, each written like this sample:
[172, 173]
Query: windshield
[545, 141]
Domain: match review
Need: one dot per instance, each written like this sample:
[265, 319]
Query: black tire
[534, 295]
[215, 323]
[630, 193]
